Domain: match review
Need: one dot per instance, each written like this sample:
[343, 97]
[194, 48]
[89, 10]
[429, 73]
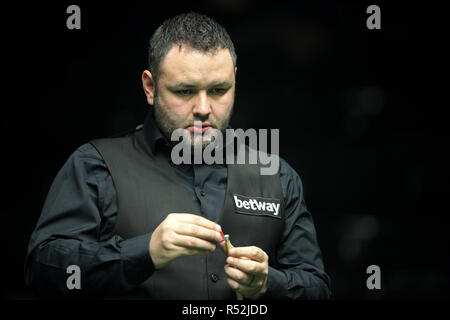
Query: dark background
[362, 118]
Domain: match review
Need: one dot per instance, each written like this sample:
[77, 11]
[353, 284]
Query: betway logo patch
[257, 206]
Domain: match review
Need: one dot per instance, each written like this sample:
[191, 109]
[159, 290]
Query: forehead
[183, 63]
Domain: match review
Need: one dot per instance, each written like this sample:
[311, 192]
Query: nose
[202, 107]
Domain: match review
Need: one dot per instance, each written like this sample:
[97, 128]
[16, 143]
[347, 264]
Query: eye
[185, 92]
[217, 91]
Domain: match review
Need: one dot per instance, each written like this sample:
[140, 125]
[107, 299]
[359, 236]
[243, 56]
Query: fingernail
[218, 227]
[232, 252]
[230, 260]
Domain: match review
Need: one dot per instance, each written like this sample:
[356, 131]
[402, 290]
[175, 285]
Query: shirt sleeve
[76, 227]
[300, 270]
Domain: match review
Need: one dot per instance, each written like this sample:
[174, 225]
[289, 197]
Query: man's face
[195, 86]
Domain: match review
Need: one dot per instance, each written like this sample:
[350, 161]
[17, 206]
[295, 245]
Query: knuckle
[191, 242]
[214, 235]
[165, 245]
[252, 268]
[192, 252]
[231, 283]
[165, 238]
[192, 229]
[164, 230]
[195, 218]
[165, 227]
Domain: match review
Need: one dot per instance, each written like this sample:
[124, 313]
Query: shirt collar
[153, 134]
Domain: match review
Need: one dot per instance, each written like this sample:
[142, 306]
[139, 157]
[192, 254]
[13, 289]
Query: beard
[168, 124]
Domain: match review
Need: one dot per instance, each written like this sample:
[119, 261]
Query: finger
[197, 220]
[247, 266]
[193, 252]
[243, 289]
[193, 243]
[248, 280]
[252, 252]
[197, 231]
[239, 276]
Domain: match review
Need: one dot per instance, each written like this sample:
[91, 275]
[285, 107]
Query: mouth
[204, 127]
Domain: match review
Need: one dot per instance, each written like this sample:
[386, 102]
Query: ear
[235, 70]
[148, 85]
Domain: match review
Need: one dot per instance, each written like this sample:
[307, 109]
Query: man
[136, 224]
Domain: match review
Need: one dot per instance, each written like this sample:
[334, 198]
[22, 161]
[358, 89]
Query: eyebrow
[184, 85]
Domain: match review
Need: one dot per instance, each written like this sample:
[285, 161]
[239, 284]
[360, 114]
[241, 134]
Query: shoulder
[87, 152]
[85, 160]
[291, 182]
[290, 179]
[286, 170]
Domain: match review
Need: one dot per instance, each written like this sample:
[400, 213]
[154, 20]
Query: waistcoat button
[214, 277]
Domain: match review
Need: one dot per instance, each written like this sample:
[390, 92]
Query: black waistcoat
[148, 189]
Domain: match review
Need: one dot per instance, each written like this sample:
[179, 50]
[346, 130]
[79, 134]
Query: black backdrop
[361, 115]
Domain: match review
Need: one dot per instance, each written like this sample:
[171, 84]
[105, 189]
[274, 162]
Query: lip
[202, 129]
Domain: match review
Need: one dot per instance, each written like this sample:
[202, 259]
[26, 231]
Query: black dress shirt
[76, 227]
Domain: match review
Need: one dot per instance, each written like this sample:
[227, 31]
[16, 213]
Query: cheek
[223, 105]
[173, 105]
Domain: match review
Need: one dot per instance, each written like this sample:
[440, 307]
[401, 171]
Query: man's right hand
[183, 234]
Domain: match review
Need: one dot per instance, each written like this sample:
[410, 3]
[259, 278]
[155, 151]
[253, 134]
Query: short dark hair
[192, 29]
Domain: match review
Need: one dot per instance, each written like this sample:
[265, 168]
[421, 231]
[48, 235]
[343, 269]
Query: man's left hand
[247, 271]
